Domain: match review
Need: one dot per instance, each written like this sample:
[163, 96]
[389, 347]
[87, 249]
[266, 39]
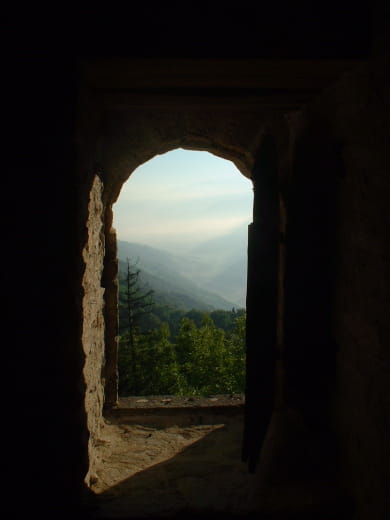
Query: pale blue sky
[182, 197]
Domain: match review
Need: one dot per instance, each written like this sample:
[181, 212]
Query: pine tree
[137, 303]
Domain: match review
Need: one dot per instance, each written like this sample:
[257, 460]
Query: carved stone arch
[120, 158]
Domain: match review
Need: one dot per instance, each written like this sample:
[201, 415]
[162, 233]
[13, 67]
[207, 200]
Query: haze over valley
[210, 274]
[184, 216]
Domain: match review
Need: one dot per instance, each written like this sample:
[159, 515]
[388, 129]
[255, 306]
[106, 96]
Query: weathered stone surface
[148, 469]
[190, 467]
[93, 322]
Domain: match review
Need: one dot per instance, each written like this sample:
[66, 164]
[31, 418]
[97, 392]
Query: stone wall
[128, 138]
[354, 115]
[93, 320]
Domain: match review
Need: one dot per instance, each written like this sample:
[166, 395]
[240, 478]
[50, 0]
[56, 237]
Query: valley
[210, 275]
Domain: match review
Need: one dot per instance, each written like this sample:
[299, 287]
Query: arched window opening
[181, 223]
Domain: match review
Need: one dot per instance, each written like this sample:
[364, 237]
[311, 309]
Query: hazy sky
[182, 197]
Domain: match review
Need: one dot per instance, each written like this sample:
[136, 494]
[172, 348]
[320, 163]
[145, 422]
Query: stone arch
[119, 142]
[110, 271]
[117, 171]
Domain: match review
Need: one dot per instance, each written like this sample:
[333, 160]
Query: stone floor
[169, 461]
[164, 458]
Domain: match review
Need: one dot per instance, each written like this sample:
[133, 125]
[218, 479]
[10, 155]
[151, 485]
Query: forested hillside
[213, 272]
[172, 343]
[173, 289]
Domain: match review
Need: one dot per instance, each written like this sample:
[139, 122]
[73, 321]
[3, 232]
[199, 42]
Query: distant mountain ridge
[170, 286]
[226, 260]
[211, 276]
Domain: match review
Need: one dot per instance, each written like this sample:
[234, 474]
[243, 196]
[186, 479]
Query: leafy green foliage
[169, 351]
[197, 361]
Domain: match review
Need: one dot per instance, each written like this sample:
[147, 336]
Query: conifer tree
[137, 303]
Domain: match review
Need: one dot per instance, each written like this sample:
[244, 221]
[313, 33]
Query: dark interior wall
[361, 297]
[261, 300]
[196, 28]
[44, 407]
[310, 264]
[337, 279]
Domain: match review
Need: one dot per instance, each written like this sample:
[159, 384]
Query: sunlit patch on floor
[125, 450]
